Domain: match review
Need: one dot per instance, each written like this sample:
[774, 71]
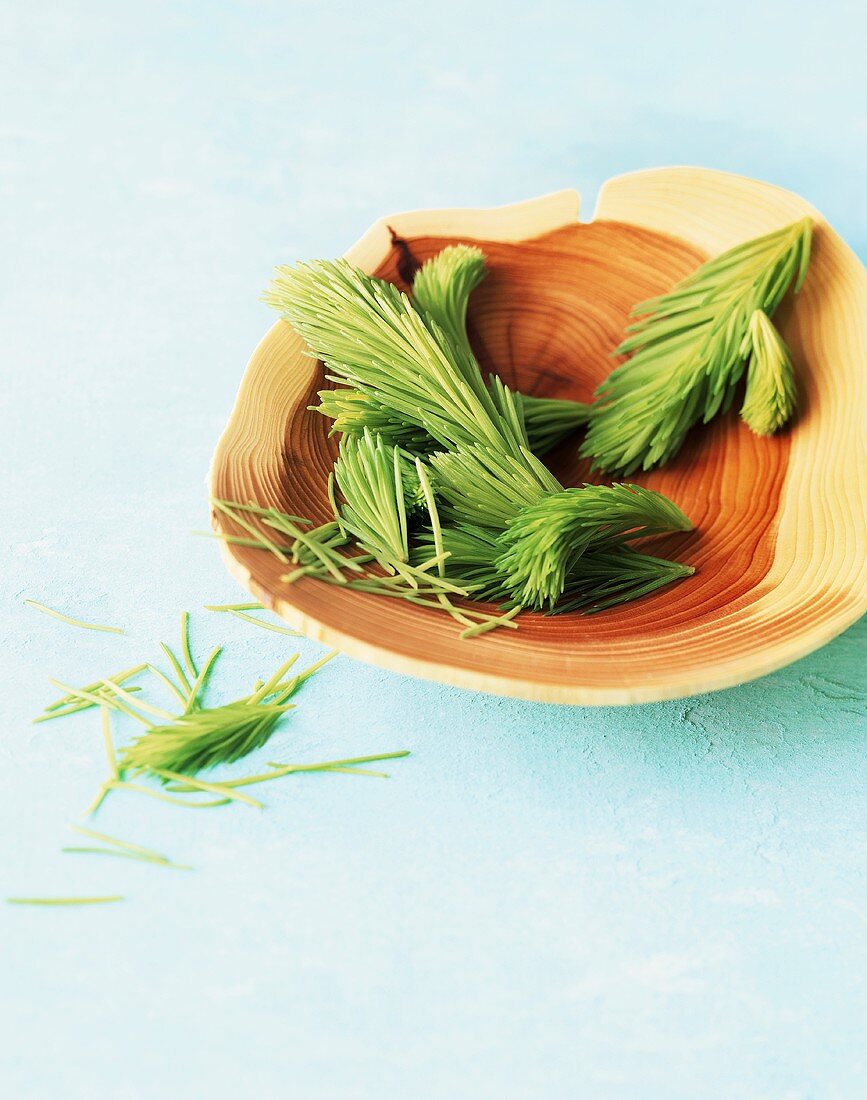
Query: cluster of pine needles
[176, 745]
[165, 760]
[439, 495]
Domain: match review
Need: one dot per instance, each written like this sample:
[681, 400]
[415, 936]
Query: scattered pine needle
[122, 848]
[347, 766]
[265, 626]
[125, 845]
[119, 854]
[73, 622]
[233, 607]
[66, 901]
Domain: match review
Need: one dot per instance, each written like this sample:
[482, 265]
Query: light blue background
[663, 901]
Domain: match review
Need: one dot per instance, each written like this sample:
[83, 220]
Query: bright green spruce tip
[193, 742]
[441, 290]
[688, 350]
[543, 546]
[771, 394]
[443, 285]
[177, 744]
[172, 750]
[441, 293]
[371, 337]
[203, 737]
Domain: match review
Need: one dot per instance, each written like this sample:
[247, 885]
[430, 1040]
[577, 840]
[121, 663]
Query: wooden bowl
[780, 545]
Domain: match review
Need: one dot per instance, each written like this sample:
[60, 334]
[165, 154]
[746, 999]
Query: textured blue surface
[665, 901]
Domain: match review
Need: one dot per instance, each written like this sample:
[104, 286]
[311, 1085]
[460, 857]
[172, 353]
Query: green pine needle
[66, 901]
[71, 621]
[687, 351]
[122, 849]
[204, 737]
[274, 627]
[770, 396]
[233, 607]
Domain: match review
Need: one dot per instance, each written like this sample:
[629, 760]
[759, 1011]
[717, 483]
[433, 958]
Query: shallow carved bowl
[780, 545]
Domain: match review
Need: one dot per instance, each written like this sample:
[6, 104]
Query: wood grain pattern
[780, 546]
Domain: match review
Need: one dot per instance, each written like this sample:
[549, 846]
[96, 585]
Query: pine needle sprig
[370, 478]
[174, 746]
[542, 547]
[354, 411]
[617, 575]
[203, 737]
[552, 547]
[771, 395]
[547, 420]
[484, 487]
[410, 386]
[442, 288]
[370, 336]
[687, 351]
